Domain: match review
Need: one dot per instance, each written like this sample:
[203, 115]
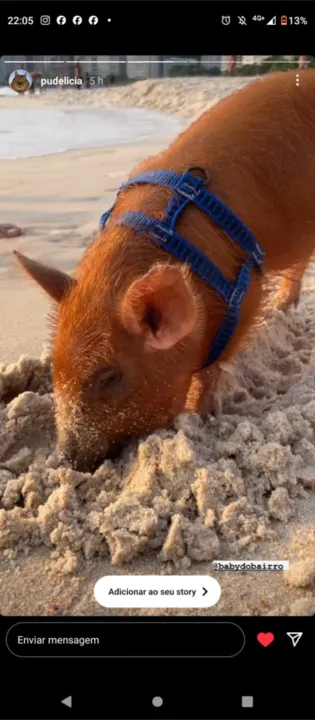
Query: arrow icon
[204, 592]
[67, 701]
[295, 637]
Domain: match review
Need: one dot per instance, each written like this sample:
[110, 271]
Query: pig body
[133, 326]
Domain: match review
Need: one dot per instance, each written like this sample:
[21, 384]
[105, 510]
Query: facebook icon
[93, 20]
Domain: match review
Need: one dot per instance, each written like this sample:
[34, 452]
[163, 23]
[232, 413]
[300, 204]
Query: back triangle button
[67, 701]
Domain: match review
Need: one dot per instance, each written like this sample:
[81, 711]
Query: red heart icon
[265, 638]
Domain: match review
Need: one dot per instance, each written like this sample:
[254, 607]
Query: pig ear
[55, 283]
[161, 307]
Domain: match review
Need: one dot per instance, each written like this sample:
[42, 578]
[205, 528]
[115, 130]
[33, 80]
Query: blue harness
[188, 188]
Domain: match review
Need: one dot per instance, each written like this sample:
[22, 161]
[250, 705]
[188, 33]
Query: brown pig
[133, 325]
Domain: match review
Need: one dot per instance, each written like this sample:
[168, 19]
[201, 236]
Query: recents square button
[247, 701]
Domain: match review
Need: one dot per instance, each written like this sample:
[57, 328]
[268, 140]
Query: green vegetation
[271, 64]
[194, 70]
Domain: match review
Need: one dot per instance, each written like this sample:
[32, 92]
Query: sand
[240, 486]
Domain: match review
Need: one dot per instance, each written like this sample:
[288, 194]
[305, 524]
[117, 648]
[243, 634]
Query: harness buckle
[192, 192]
[258, 256]
[191, 186]
[164, 231]
[236, 297]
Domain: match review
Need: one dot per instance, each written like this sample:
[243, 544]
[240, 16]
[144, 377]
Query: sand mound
[192, 494]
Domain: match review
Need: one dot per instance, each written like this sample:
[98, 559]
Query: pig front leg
[290, 287]
[204, 395]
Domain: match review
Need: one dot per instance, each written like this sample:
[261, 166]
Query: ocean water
[6, 90]
[33, 133]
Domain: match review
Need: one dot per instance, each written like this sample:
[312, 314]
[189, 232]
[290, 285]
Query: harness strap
[181, 249]
[190, 189]
[232, 314]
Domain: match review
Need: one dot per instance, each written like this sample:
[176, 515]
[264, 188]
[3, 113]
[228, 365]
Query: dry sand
[241, 486]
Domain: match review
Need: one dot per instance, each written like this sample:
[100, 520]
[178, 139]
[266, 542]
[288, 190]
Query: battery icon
[283, 20]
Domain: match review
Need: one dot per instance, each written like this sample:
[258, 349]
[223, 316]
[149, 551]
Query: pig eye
[109, 380]
[104, 380]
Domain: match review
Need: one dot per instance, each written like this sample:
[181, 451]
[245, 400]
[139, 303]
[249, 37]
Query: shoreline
[42, 131]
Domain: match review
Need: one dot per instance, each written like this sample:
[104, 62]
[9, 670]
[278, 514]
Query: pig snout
[85, 458]
[85, 462]
[76, 443]
[80, 459]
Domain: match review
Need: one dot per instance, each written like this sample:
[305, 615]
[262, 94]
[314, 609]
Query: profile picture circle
[20, 81]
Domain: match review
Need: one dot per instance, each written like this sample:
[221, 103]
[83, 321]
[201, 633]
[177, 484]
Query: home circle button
[157, 701]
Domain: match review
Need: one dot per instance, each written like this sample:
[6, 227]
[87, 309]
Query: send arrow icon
[295, 637]
[67, 701]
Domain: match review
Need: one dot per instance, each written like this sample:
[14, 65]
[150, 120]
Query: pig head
[127, 332]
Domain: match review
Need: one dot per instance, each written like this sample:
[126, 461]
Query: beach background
[240, 487]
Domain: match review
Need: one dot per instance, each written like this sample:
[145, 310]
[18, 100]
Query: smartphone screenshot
[157, 367]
